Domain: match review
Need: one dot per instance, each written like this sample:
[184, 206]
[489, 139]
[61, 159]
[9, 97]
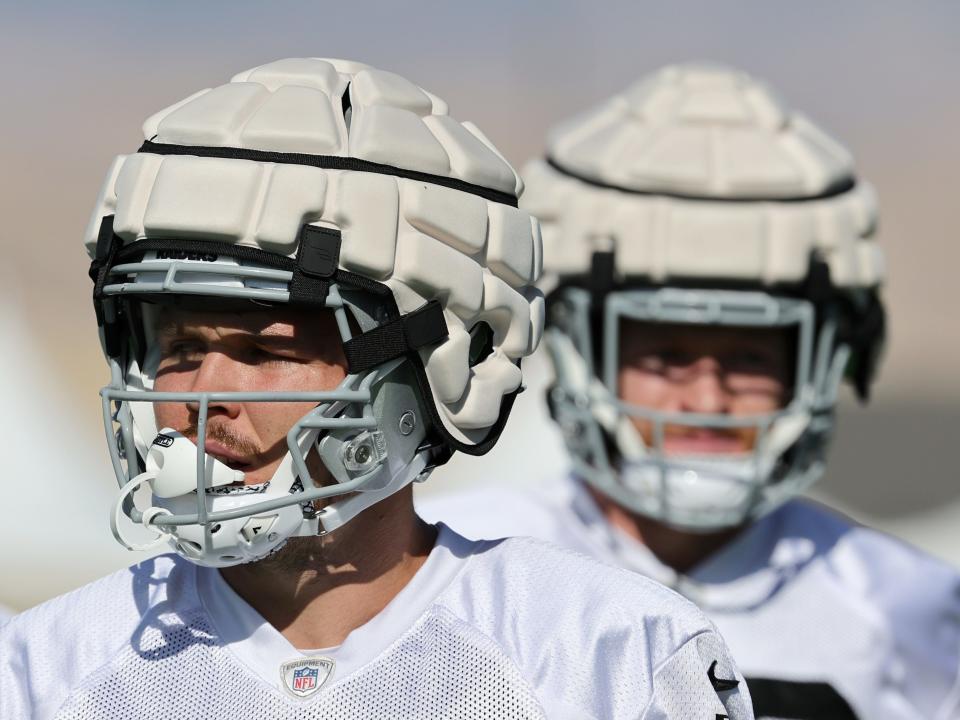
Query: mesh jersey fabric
[807, 600]
[516, 629]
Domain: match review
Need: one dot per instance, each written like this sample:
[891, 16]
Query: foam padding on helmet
[426, 241]
[702, 172]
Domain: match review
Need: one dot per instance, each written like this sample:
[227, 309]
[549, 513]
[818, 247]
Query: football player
[313, 286]
[713, 280]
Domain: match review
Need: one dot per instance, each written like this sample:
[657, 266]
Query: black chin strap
[602, 271]
[108, 248]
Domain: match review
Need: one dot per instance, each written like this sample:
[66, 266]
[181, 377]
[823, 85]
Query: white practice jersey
[510, 629]
[826, 618]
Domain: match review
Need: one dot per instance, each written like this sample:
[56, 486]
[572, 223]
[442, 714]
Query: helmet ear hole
[481, 343]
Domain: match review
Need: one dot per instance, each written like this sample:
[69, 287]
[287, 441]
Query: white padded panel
[832, 225]
[717, 105]
[455, 218]
[303, 72]
[151, 125]
[701, 130]
[545, 198]
[134, 185]
[508, 313]
[640, 226]
[611, 145]
[547, 191]
[448, 365]
[436, 270]
[568, 261]
[295, 195]
[407, 298]
[470, 159]
[378, 87]
[489, 381]
[652, 99]
[872, 263]
[709, 241]
[366, 210]
[344, 66]
[769, 110]
[752, 165]
[213, 118]
[295, 119]
[817, 166]
[591, 150]
[396, 137]
[203, 197]
[538, 314]
[510, 253]
[440, 106]
[663, 237]
[791, 230]
[105, 205]
[516, 185]
[864, 205]
[273, 107]
[679, 160]
[835, 225]
[561, 256]
[537, 249]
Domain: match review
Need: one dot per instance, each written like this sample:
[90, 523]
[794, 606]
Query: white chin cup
[172, 464]
[230, 542]
[172, 459]
[698, 493]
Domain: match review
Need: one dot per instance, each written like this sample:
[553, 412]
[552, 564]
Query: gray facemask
[705, 492]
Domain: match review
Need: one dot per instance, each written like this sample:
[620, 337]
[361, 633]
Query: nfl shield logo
[303, 677]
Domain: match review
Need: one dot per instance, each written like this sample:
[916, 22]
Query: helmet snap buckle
[364, 452]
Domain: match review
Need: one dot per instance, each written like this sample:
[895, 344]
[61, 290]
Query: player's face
[249, 351]
[704, 369]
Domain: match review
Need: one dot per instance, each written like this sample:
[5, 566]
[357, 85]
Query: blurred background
[81, 77]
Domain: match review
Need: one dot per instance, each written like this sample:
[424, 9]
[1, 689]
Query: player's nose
[215, 374]
[705, 391]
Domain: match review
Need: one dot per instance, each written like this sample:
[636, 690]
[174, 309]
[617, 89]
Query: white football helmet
[697, 197]
[322, 184]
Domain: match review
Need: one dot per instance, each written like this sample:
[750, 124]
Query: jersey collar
[262, 649]
[746, 572]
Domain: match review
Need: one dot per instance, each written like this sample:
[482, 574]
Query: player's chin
[257, 473]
